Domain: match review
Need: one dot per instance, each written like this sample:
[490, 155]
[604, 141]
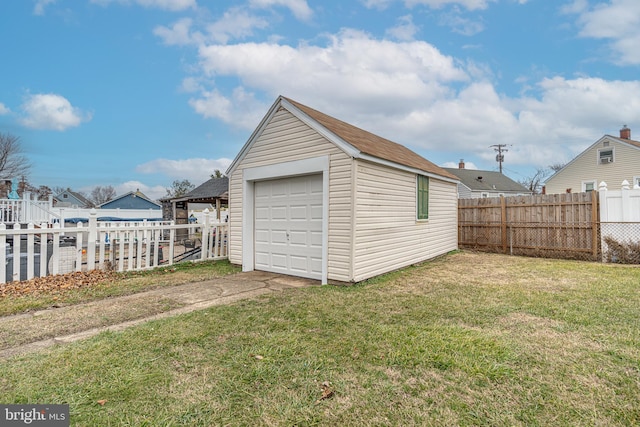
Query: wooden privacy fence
[553, 225]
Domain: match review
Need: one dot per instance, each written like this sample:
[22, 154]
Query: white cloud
[178, 34]
[40, 5]
[51, 111]
[196, 171]
[4, 109]
[299, 8]
[467, 165]
[240, 110]
[461, 25]
[405, 30]
[617, 21]
[236, 23]
[171, 5]
[351, 67]
[154, 193]
[434, 4]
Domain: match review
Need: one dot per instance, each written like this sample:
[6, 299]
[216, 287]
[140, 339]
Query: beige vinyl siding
[586, 167]
[286, 138]
[387, 234]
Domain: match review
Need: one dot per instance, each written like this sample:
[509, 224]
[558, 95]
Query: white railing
[121, 246]
[25, 210]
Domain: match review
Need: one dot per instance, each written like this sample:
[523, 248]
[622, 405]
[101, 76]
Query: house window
[605, 156]
[484, 195]
[588, 186]
[423, 197]
[636, 182]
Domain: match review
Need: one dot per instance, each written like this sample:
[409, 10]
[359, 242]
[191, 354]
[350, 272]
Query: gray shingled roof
[211, 189]
[491, 181]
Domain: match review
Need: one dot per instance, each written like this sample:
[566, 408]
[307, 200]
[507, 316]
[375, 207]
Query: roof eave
[399, 166]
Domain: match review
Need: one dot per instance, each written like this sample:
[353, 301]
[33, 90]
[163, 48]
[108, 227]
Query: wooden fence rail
[554, 225]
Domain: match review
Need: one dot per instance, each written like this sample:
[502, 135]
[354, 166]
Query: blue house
[131, 200]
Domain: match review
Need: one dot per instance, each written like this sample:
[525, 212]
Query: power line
[499, 148]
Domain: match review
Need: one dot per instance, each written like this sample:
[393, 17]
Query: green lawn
[468, 339]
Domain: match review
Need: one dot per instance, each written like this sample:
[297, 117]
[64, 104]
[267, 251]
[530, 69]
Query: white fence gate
[46, 249]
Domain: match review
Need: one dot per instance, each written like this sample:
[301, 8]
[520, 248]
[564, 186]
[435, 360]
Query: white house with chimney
[610, 159]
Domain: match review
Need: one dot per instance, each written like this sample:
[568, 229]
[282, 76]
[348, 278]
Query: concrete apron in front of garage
[75, 322]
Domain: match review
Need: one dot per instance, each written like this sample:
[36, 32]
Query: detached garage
[315, 197]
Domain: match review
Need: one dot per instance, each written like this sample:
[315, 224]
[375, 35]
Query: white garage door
[288, 226]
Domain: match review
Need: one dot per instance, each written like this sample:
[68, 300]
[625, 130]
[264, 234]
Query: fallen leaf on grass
[327, 391]
[101, 402]
[256, 356]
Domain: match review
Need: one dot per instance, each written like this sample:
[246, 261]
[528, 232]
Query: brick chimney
[625, 132]
[461, 164]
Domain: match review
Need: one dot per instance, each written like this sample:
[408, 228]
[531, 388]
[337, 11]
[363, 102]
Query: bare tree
[556, 167]
[12, 163]
[179, 188]
[100, 195]
[535, 181]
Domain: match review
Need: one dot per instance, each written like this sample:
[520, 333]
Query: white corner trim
[282, 170]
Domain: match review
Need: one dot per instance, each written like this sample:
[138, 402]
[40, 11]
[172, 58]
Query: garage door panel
[298, 212]
[288, 225]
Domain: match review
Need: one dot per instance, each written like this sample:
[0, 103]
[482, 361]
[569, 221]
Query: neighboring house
[475, 184]
[610, 159]
[316, 197]
[71, 199]
[131, 200]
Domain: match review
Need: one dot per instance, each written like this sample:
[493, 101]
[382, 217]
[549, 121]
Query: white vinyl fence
[48, 249]
[620, 223]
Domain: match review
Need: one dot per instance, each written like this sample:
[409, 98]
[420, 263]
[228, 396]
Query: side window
[588, 186]
[423, 197]
[605, 156]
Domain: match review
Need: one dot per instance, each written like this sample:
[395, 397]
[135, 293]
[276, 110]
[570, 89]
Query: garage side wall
[285, 139]
[387, 234]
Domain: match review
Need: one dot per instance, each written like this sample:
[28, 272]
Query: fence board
[554, 225]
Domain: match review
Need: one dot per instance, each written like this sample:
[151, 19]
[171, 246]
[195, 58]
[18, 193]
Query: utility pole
[499, 148]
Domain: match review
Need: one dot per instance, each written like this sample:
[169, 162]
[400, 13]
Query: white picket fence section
[122, 246]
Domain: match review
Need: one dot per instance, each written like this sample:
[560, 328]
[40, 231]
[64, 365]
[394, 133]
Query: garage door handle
[287, 235]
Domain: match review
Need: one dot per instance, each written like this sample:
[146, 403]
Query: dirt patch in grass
[26, 328]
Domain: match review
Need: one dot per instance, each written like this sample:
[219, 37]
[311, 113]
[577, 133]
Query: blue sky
[139, 93]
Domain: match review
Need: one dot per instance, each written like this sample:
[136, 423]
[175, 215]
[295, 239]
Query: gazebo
[214, 191]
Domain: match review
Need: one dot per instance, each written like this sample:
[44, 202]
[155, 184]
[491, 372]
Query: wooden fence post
[503, 220]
